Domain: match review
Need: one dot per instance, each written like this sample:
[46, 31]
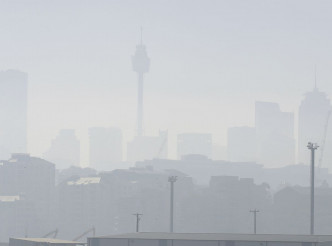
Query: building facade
[65, 150]
[315, 126]
[274, 135]
[13, 117]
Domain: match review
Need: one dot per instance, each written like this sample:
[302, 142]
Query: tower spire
[141, 65]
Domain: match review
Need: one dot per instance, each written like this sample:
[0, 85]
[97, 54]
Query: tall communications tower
[141, 65]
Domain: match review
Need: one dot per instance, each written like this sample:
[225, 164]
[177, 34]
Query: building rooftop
[224, 237]
[9, 198]
[47, 240]
[85, 181]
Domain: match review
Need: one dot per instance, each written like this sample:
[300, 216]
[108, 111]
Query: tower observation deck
[141, 65]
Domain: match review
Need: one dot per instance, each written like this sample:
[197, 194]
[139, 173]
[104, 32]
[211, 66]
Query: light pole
[312, 147]
[172, 180]
[255, 211]
[138, 218]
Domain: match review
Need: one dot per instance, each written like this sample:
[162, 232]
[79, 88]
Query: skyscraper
[274, 135]
[141, 65]
[65, 150]
[314, 125]
[105, 147]
[13, 116]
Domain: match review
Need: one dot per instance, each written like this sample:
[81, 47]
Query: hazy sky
[210, 60]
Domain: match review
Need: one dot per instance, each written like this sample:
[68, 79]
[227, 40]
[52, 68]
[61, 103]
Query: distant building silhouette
[194, 143]
[274, 135]
[26, 195]
[65, 150]
[31, 177]
[141, 65]
[201, 168]
[13, 116]
[147, 148]
[79, 204]
[73, 171]
[313, 117]
[291, 210]
[105, 147]
[138, 189]
[241, 144]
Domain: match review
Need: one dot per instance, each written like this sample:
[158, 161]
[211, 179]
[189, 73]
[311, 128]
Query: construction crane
[93, 230]
[322, 145]
[54, 233]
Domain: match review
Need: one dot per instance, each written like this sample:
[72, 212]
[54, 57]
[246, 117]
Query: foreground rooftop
[222, 237]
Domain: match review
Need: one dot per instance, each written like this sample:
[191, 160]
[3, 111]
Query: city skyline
[165, 122]
[155, 152]
[198, 62]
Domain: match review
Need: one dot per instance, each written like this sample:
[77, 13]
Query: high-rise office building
[315, 126]
[105, 147]
[274, 135]
[13, 116]
[194, 144]
[65, 150]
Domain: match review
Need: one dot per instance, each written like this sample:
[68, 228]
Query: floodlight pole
[312, 147]
[138, 218]
[255, 211]
[172, 180]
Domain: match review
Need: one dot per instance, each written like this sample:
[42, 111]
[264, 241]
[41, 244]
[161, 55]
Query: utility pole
[312, 147]
[172, 180]
[255, 211]
[138, 218]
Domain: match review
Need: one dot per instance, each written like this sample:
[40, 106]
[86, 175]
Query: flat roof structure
[203, 239]
[41, 242]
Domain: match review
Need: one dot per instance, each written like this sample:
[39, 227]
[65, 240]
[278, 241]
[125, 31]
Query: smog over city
[165, 123]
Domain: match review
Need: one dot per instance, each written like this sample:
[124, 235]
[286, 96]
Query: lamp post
[172, 180]
[138, 218]
[255, 211]
[312, 147]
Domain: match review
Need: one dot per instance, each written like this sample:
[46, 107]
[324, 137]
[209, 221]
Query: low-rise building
[209, 239]
[42, 242]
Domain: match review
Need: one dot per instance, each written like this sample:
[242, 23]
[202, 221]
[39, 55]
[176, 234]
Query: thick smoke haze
[150, 122]
[210, 62]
